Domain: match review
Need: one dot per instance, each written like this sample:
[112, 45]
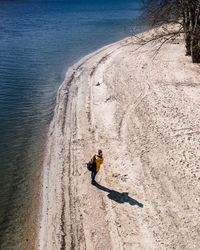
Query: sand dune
[145, 117]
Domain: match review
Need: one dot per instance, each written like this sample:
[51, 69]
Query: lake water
[39, 40]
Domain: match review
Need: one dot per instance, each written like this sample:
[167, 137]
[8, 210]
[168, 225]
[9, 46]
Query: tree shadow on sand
[119, 197]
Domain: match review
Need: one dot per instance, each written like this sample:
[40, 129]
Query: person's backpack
[91, 165]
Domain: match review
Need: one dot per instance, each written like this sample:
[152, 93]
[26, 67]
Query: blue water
[39, 40]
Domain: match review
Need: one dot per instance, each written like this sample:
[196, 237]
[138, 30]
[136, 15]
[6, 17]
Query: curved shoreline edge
[144, 116]
[58, 121]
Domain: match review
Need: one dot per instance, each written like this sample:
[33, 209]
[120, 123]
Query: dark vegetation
[184, 17]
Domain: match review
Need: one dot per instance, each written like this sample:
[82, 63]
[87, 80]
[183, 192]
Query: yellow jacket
[99, 161]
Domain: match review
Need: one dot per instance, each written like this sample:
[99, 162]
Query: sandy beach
[145, 117]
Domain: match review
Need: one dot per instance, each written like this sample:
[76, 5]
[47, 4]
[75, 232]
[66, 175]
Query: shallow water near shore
[39, 40]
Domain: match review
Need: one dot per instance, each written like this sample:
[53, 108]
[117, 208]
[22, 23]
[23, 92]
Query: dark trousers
[93, 174]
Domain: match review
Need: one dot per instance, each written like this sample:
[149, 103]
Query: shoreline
[135, 113]
[59, 102]
[32, 224]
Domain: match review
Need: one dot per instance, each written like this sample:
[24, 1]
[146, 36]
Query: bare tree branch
[182, 13]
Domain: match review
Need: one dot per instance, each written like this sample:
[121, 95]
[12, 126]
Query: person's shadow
[119, 197]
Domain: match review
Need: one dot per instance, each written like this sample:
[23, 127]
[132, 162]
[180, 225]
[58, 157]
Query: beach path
[144, 115]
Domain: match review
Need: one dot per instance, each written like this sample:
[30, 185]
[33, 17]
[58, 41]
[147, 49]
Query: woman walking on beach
[98, 159]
